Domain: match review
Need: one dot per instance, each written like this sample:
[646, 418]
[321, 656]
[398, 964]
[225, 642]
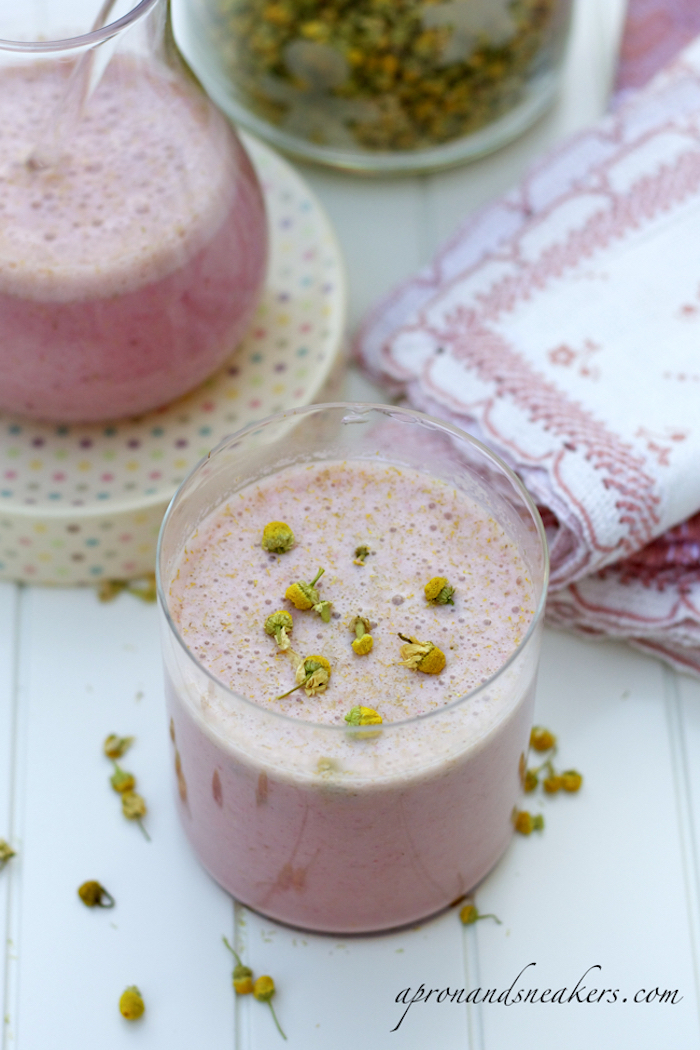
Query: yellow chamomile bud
[6, 853]
[531, 780]
[117, 746]
[95, 896]
[108, 590]
[361, 553]
[131, 1004]
[363, 716]
[305, 596]
[122, 781]
[363, 641]
[541, 739]
[421, 656]
[313, 674]
[242, 980]
[552, 784]
[242, 976]
[263, 990]
[525, 823]
[277, 625]
[438, 591]
[470, 914]
[133, 806]
[571, 780]
[145, 590]
[277, 537]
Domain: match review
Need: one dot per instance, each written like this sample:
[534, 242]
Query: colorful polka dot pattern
[78, 503]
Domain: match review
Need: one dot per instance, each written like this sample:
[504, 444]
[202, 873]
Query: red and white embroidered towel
[562, 327]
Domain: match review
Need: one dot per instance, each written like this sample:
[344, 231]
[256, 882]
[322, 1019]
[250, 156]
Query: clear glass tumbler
[335, 827]
[381, 85]
[133, 237]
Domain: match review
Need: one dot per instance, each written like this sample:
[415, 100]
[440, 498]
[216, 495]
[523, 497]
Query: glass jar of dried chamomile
[381, 85]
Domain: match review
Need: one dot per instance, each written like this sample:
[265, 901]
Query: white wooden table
[612, 882]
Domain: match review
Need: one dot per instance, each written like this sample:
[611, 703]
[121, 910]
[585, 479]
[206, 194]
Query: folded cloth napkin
[562, 327]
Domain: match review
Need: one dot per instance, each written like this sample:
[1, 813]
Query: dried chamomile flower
[571, 780]
[361, 553]
[541, 739]
[143, 588]
[242, 977]
[6, 853]
[313, 674]
[122, 781]
[363, 641]
[438, 591]
[277, 625]
[531, 780]
[525, 823]
[117, 746]
[363, 716]
[305, 596]
[277, 537]
[421, 656]
[263, 990]
[108, 590]
[134, 808]
[93, 895]
[552, 784]
[470, 914]
[131, 1004]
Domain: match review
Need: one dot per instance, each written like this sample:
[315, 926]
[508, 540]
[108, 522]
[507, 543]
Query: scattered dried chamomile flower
[278, 625]
[363, 716]
[143, 588]
[122, 781]
[277, 537]
[6, 853]
[438, 591]
[313, 674]
[131, 1004]
[363, 642]
[263, 990]
[470, 914]
[531, 780]
[541, 739]
[242, 976]
[93, 895]
[134, 808]
[361, 554]
[571, 780]
[552, 784]
[421, 656]
[117, 746]
[108, 590]
[305, 596]
[525, 823]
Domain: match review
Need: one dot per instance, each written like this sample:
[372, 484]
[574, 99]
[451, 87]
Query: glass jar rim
[393, 411]
[84, 40]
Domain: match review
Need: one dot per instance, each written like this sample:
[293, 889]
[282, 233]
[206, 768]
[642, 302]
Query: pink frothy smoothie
[130, 268]
[293, 811]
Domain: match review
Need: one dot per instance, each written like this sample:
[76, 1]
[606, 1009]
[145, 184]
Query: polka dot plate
[82, 503]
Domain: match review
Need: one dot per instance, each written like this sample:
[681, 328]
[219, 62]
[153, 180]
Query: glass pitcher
[133, 238]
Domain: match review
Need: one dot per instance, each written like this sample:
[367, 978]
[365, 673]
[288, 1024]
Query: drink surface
[416, 528]
[130, 264]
